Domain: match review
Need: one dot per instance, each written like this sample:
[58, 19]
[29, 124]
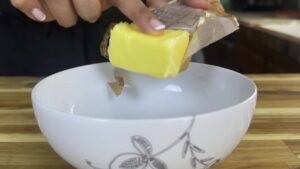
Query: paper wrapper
[205, 27]
[117, 85]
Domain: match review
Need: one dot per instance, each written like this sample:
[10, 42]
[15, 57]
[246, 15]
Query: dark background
[251, 50]
[40, 49]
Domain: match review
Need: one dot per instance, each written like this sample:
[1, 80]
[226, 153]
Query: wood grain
[272, 141]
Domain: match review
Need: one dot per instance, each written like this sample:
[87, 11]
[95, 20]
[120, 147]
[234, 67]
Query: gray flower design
[212, 163]
[193, 149]
[144, 157]
[91, 165]
[188, 146]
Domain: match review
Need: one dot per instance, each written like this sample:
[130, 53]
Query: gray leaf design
[214, 163]
[90, 164]
[183, 135]
[142, 144]
[193, 162]
[133, 163]
[204, 160]
[185, 149]
[155, 163]
[197, 149]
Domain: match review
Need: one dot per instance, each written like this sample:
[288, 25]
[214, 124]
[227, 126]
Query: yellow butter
[158, 56]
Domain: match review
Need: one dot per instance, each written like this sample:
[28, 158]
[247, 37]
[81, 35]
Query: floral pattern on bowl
[144, 157]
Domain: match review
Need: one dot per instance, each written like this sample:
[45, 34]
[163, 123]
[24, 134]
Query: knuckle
[116, 2]
[67, 24]
[91, 17]
[138, 12]
[143, 13]
[20, 4]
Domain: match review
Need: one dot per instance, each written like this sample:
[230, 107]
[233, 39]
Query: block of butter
[157, 56]
[187, 31]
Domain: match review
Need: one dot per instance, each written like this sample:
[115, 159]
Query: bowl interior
[84, 91]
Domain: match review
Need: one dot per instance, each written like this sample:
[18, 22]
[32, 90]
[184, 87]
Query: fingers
[33, 9]
[140, 15]
[105, 4]
[63, 12]
[88, 10]
[203, 4]
[156, 3]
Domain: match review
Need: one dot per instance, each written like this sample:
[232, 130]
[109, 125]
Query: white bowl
[191, 121]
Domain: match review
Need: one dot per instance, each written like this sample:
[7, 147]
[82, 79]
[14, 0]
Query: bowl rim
[36, 100]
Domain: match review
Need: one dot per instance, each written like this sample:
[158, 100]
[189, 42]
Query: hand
[65, 12]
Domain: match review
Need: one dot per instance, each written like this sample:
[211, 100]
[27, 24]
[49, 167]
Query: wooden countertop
[272, 142]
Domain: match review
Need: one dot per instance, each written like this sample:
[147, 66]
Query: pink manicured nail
[157, 25]
[38, 14]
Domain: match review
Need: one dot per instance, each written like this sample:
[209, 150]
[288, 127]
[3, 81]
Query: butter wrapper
[205, 26]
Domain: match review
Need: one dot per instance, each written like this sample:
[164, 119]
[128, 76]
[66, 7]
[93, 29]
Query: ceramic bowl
[192, 121]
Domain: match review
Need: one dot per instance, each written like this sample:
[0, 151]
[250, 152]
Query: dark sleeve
[4, 6]
[31, 48]
[7, 8]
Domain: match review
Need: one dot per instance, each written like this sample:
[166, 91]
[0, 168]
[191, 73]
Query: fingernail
[38, 14]
[157, 25]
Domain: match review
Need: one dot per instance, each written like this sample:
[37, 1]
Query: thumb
[140, 15]
[203, 4]
[156, 3]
